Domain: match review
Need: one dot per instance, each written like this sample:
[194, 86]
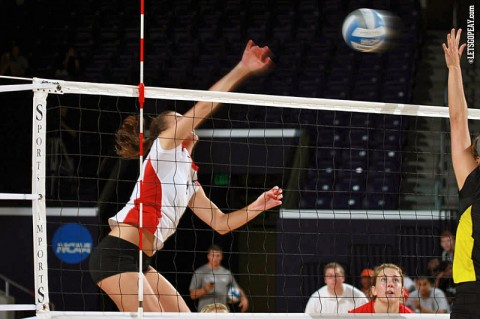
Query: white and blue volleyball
[365, 30]
[233, 294]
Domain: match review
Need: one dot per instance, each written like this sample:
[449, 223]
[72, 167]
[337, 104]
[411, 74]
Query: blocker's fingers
[457, 37]
[462, 47]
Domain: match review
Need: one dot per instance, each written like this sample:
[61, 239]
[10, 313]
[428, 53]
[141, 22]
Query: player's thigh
[170, 299]
[123, 290]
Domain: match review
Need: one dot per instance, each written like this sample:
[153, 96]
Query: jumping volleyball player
[466, 162]
[169, 186]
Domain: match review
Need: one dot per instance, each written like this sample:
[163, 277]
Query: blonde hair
[215, 307]
[378, 269]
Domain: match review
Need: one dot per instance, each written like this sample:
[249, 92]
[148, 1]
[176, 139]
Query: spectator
[366, 282]
[447, 241]
[12, 63]
[336, 296]
[387, 291]
[427, 299]
[215, 307]
[70, 66]
[433, 267]
[211, 281]
[444, 281]
[408, 285]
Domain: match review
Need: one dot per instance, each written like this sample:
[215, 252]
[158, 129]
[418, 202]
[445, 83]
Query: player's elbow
[222, 231]
[221, 225]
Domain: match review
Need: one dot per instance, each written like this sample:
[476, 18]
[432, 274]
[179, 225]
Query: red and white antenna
[141, 101]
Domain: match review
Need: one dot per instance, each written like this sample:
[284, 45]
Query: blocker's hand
[257, 59]
[453, 52]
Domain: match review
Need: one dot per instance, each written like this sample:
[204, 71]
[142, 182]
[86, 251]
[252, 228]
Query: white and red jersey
[169, 182]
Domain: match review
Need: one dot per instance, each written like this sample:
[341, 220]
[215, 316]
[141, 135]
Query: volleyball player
[169, 186]
[466, 161]
[387, 292]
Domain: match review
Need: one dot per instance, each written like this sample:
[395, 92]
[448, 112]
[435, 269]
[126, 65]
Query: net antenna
[141, 101]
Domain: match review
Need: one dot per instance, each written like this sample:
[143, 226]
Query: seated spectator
[427, 299]
[211, 281]
[215, 307]
[387, 291]
[12, 63]
[336, 296]
[69, 68]
[408, 283]
[444, 281]
[433, 267]
[366, 282]
[447, 241]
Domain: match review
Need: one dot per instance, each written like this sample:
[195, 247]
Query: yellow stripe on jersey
[463, 269]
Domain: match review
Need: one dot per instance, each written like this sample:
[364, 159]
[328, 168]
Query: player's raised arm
[462, 158]
[255, 60]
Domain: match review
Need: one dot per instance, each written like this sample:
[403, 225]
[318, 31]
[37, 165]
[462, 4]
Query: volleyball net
[364, 183]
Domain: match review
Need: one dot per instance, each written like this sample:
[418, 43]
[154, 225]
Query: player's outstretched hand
[257, 59]
[453, 52]
[269, 199]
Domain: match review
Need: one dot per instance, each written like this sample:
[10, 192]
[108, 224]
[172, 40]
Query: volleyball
[233, 294]
[365, 30]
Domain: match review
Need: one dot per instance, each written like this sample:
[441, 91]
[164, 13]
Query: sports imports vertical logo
[471, 34]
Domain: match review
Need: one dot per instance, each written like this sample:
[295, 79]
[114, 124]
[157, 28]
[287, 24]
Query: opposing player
[466, 161]
[169, 186]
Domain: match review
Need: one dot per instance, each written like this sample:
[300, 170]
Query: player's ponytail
[127, 137]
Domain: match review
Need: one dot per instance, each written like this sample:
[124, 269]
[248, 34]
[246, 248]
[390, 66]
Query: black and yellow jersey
[466, 261]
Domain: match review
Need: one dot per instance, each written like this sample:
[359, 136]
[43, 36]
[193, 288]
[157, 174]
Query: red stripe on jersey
[194, 167]
[151, 197]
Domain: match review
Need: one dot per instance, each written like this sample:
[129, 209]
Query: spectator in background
[387, 291]
[69, 68]
[444, 281]
[433, 267]
[336, 296]
[13, 63]
[215, 307]
[447, 241]
[427, 299]
[210, 282]
[366, 282]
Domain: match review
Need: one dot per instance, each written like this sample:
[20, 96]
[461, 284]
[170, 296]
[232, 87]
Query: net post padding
[39, 216]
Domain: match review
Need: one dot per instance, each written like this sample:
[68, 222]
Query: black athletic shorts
[467, 299]
[115, 256]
